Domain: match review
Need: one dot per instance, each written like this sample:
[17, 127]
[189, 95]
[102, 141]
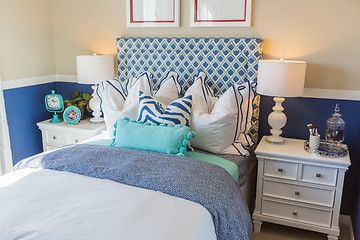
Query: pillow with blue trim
[148, 136]
[222, 123]
[178, 112]
[116, 105]
[112, 99]
[169, 89]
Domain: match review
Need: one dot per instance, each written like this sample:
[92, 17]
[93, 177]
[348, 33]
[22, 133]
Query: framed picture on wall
[152, 13]
[215, 13]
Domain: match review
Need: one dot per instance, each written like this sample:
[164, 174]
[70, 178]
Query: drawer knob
[295, 213]
[54, 137]
[297, 193]
[280, 170]
[318, 175]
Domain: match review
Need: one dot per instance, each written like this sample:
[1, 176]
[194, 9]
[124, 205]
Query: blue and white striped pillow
[177, 112]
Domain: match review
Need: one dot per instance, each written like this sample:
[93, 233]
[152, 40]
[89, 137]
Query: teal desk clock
[54, 103]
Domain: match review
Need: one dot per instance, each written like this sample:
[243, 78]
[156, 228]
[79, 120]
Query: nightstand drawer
[319, 175]
[280, 169]
[294, 192]
[297, 213]
[74, 138]
[60, 134]
[54, 138]
[50, 148]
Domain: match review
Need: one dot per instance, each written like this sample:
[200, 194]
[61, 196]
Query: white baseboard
[346, 220]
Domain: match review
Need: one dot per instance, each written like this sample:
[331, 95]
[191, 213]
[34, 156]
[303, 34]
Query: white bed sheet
[45, 204]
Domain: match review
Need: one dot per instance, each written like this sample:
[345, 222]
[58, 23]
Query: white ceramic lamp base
[95, 107]
[277, 120]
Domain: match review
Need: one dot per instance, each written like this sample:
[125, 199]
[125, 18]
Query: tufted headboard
[226, 61]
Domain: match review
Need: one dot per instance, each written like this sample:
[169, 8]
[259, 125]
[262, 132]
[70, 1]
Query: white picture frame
[215, 13]
[152, 13]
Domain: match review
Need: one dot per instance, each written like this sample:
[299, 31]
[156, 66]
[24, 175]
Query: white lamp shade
[93, 69]
[281, 78]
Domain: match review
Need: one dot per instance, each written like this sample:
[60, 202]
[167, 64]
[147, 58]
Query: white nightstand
[297, 188]
[56, 135]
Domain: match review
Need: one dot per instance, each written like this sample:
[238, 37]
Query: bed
[162, 172]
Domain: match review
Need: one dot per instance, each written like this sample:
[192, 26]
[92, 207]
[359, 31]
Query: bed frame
[226, 61]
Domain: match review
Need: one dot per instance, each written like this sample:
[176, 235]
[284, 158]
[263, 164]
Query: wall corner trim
[6, 163]
[346, 220]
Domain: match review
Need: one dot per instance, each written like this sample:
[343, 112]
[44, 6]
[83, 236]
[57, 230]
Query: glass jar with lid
[335, 129]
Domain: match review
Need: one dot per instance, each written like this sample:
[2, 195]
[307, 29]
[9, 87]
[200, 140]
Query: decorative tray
[338, 150]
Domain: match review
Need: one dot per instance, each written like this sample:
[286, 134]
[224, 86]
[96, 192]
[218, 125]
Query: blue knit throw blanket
[191, 179]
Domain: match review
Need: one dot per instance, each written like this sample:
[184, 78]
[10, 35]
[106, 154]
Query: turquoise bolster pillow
[152, 137]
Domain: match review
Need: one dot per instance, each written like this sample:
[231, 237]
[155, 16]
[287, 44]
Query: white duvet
[44, 204]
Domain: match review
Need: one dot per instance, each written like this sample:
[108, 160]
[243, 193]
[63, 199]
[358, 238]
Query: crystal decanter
[335, 129]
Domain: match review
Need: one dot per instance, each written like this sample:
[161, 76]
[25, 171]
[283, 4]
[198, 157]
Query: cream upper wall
[26, 40]
[325, 33]
[39, 41]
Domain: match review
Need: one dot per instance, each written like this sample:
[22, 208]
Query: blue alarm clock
[72, 115]
[54, 103]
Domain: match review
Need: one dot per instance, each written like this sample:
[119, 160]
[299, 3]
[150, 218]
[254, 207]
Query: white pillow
[116, 107]
[169, 89]
[221, 124]
[113, 103]
[112, 98]
[131, 104]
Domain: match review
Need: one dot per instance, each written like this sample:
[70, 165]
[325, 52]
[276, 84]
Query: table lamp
[280, 78]
[93, 69]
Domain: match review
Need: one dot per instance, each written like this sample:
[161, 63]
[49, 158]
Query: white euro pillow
[169, 89]
[221, 124]
[115, 106]
[112, 98]
[113, 103]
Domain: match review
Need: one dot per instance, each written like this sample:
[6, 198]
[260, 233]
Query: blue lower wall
[300, 112]
[66, 88]
[25, 107]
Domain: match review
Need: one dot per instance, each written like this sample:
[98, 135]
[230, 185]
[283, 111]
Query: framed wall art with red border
[215, 13]
[152, 13]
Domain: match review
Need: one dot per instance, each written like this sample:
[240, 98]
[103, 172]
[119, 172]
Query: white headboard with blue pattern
[226, 61]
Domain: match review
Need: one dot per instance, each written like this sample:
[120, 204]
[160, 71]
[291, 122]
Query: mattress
[72, 206]
[242, 162]
[100, 192]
